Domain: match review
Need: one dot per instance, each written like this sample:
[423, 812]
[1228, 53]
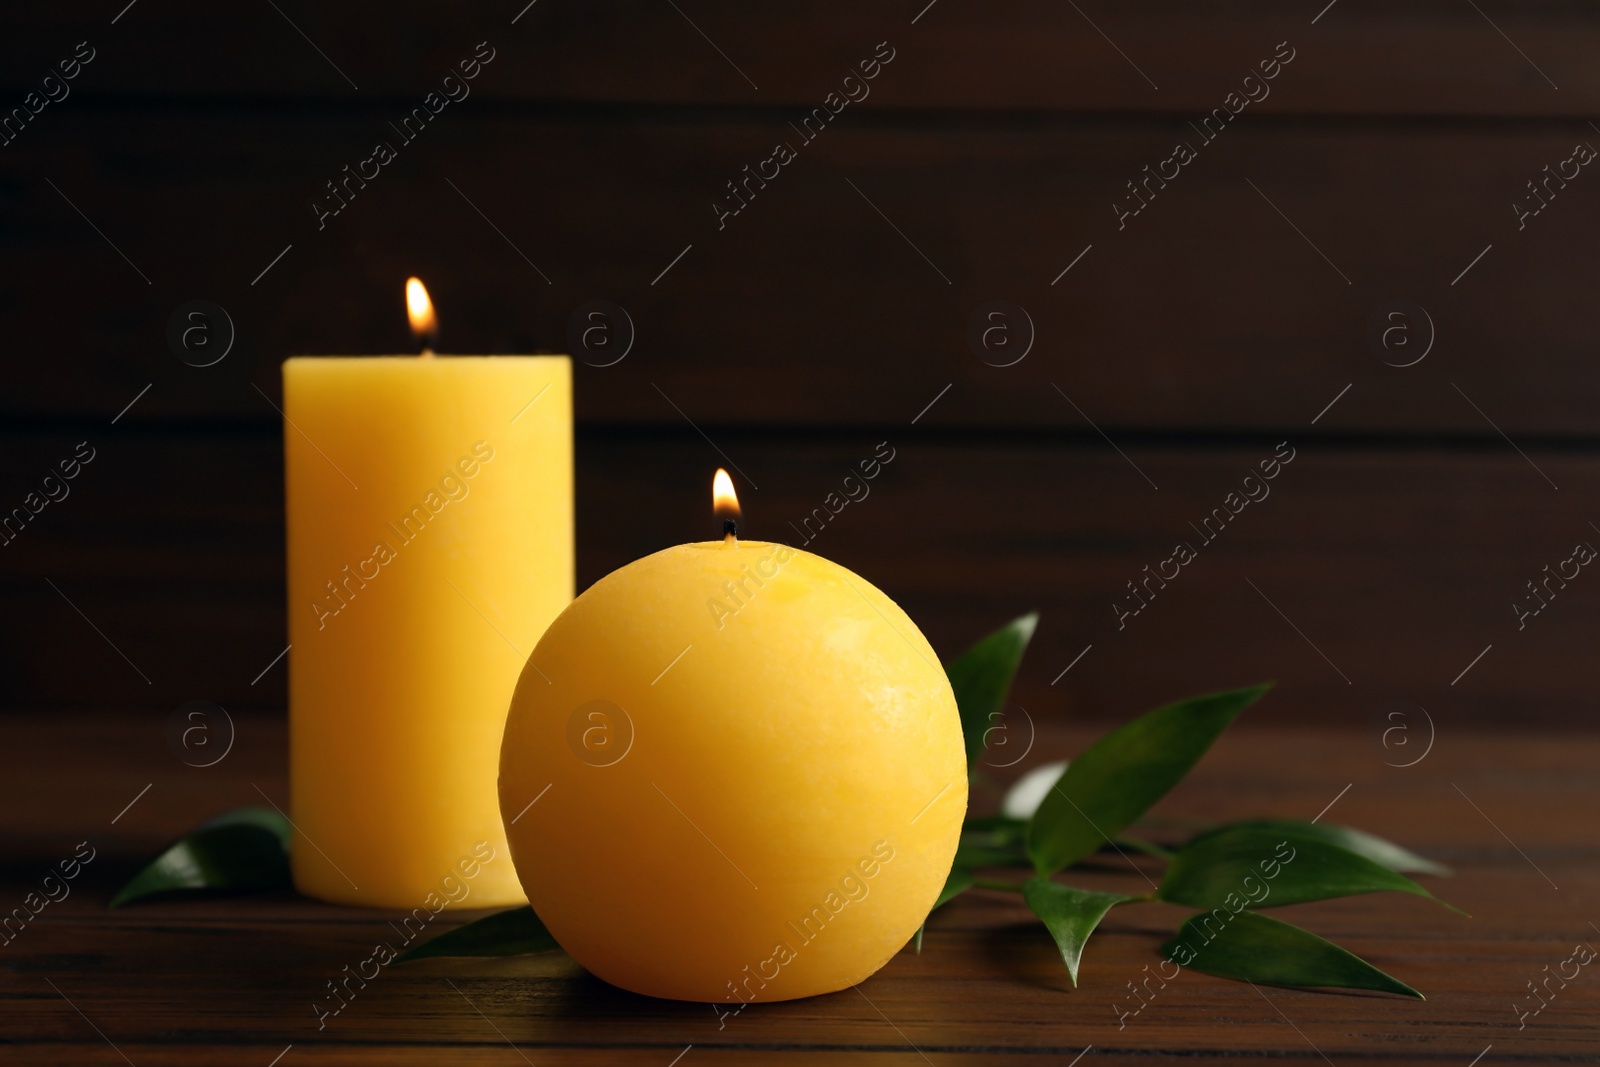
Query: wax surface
[753, 794]
[430, 543]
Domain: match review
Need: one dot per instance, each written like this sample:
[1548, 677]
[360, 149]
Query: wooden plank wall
[988, 160]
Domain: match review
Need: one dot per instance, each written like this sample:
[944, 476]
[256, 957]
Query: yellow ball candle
[733, 771]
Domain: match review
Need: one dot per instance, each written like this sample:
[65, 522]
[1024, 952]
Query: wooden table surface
[233, 981]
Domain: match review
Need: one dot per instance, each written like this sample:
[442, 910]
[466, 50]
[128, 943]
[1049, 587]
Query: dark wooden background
[830, 313]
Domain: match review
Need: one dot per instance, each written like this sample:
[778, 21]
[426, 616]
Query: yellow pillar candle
[429, 545]
[748, 772]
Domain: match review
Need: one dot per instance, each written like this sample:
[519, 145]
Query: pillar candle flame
[424, 323]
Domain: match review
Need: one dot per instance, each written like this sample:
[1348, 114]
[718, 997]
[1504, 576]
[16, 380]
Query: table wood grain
[232, 981]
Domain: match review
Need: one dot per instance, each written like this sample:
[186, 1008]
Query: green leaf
[243, 850]
[995, 830]
[1285, 868]
[1360, 842]
[981, 678]
[1070, 913]
[1149, 848]
[269, 819]
[517, 932]
[1254, 948]
[971, 856]
[959, 882]
[994, 841]
[1125, 772]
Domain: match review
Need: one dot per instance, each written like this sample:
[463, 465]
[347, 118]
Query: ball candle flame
[725, 503]
[749, 772]
[429, 544]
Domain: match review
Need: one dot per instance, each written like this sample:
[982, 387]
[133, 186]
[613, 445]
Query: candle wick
[730, 531]
[427, 353]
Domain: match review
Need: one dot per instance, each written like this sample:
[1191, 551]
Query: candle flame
[424, 324]
[724, 501]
